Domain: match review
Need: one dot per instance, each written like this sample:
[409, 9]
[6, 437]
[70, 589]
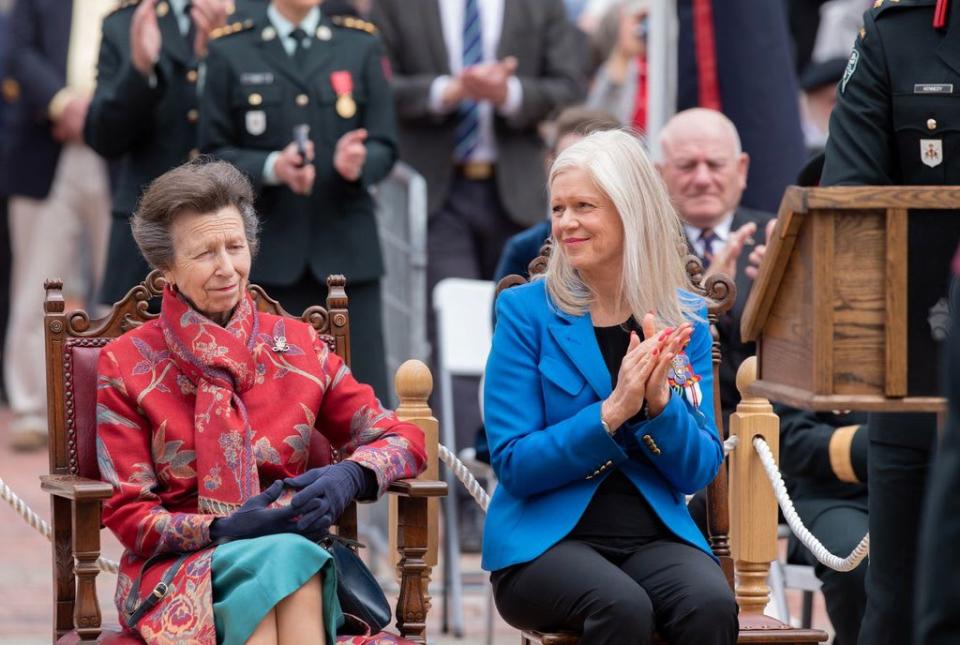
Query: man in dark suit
[144, 111]
[472, 80]
[705, 171]
[59, 206]
[893, 125]
[295, 67]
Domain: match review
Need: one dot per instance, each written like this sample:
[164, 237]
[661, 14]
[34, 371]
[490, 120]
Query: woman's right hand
[627, 397]
[255, 519]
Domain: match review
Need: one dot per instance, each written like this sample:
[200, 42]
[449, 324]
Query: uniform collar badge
[324, 33]
[268, 33]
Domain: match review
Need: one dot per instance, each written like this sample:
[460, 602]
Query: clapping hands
[484, 82]
[643, 372]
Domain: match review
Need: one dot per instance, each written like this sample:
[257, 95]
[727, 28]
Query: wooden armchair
[720, 292]
[73, 343]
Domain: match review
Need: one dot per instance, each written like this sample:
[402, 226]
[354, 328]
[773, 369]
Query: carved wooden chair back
[73, 344]
[720, 293]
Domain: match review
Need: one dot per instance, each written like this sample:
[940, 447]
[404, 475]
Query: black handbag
[360, 595]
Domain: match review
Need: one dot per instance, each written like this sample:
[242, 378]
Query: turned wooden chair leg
[412, 545]
[86, 551]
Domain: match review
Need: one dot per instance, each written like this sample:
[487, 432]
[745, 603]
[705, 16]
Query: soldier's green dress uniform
[897, 121]
[150, 127]
[254, 93]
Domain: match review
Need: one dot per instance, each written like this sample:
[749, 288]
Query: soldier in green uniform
[144, 109]
[897, 122]
[290, 68]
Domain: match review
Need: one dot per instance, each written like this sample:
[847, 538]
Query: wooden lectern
[849, 308]
[848, 313]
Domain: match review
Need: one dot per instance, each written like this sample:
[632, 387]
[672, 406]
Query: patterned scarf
[219, 362]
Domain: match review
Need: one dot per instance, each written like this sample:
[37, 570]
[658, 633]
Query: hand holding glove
[254, 519]
[324, 493]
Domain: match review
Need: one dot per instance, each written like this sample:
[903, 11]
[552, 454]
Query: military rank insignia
[683, 381]
[342, 83]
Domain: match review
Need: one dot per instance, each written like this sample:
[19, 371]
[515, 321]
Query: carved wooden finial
[53, 303]
[746, 375]
[336, 291]
[414, 383]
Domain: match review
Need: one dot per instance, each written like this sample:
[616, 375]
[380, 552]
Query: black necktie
[300, 51]
[191, 34]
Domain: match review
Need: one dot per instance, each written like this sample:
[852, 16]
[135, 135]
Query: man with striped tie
[472, 80]
[705, 170]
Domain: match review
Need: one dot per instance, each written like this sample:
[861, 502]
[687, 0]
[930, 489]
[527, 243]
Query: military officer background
[144, 110]
[292, 67]
[896, 122]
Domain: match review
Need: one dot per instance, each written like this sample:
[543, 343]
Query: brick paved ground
[25, 573]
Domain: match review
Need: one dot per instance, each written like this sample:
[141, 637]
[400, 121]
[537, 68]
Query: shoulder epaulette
[123, 4]
[354, 23]
[879, 6]
[232, 28]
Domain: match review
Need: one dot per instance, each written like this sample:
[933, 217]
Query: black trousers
[840, 529]
[619, 597]
[901, 446]
[367, 350]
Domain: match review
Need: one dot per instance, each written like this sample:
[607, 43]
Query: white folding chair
[463, 309]
[785, 576]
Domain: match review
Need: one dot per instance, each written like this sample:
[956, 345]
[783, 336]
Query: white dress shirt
[491, 24]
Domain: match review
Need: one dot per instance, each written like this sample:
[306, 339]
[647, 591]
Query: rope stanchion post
[414, 385]
[753, 506]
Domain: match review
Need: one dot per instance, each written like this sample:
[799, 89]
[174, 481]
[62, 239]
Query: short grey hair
[696, 118]
[201, 186]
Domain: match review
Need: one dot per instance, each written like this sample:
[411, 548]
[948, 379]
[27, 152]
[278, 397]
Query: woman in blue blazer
[599, 413]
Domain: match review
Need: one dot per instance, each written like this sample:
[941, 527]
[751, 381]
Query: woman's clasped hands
[643, 372]
[322, 495]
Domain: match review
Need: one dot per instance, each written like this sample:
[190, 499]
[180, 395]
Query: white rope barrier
[730, 444]
[819, 551]
[34, 520]
[466, 478]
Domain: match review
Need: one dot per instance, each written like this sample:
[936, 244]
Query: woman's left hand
[657, 390]
[324, 493]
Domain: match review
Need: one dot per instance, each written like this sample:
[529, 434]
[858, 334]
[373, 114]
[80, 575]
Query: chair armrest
[418, 488]
[72, 487]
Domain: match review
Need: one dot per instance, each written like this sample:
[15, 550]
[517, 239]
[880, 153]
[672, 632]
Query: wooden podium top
[839, 306]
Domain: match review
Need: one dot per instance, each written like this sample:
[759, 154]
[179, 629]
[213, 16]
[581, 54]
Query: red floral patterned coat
[145, 446]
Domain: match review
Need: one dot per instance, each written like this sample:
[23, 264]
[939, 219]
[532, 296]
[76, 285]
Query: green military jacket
[255, 93]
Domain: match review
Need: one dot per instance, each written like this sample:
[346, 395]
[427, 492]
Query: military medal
[342, 83]
[683, 381]
[931, 152]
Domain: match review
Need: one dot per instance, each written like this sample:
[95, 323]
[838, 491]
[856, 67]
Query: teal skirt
[251, 576]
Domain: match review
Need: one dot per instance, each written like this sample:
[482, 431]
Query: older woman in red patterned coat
[205, 417]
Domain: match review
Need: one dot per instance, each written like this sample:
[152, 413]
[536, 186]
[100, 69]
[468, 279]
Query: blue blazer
[545, 381]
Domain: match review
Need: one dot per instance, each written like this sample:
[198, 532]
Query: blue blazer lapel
[577, 340]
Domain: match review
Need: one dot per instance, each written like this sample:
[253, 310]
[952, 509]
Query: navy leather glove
[324, 493]
[254, 519]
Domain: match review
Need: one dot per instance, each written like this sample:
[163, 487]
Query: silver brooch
[280, 345]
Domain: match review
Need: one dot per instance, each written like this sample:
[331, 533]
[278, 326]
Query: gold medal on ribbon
[342, 83]
[346, 106]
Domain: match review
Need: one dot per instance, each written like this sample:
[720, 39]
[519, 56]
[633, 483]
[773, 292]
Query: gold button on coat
[931, 124]
[302, 100]
[255, 99]
[192, 76]
[193, 116]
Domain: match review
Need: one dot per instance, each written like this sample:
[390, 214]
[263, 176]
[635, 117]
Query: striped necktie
[708, 237]
[468, 118]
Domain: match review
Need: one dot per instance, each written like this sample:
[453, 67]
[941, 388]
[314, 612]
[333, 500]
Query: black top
[618, 515]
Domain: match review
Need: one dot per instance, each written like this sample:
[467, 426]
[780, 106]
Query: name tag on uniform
[263, 78]
[933, 88]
